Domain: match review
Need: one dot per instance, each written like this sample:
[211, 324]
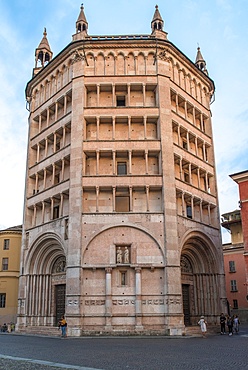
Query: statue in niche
[60, 265]
[119, 255]
[126, 255]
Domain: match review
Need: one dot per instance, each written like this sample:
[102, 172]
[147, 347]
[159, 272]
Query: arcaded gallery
[121, 219]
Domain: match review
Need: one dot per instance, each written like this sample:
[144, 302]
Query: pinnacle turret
[43, 54]
[157, 25]
[82, 24]
[200, 62]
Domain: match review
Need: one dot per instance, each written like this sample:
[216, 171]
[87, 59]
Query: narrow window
[5, 264]
[2, 300]
[232, 266]
[185, 145]
[234, 286]
[235, 303]
[55, 212]
[188, 211]
[120, 101]
[186, 177]
[121, 168]
[123, 278]
[6, 244]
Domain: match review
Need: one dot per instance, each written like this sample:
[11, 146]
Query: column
[183, 204]
[97, 95]
[196, 147]
[46, 146]
[97, 162]
[146, 162]
[128, 95]
[198, 177]
[97, 127]
[181, 168]
[34, 216]
[187, 138]
[54, 142]
[65, 104]
[131, 198]
[147, 198]
[43, 212]
[38, 153]
[53, 175]
[51, 208]
[204, 151]
[44, 180]
[114, 162]
[144, 95]
[176, 103]
[129, 128]
[108, 304]
[209, 214]
[97, 198]
[36, 182]
[114, 192]
[39, 129]
[190, 177]
[192, 207]
[113, 96]
[193, 116]
[185, 108]
[113, 123]
[64, 135]
[138, 298]
[56, 111]
[48, 116]
[63, 169]
[145, 126]
[61, 205]
[130, 162]
[178, 134]
[201, 210]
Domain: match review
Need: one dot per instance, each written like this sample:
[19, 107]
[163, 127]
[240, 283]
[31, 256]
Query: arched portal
[45, 281]
[200, 280]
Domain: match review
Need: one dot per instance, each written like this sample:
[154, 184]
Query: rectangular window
[121, 168]
[232, 266]
[235, 303]
[123, 278]
[120, 101]
[6, 244]
[234, 286]
[55, 212]
[186, 177]
[2, 300]
[188, 211]
[185, 145]
[5, 264]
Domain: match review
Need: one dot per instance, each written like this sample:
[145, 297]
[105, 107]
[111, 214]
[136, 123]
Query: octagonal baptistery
[121, 226]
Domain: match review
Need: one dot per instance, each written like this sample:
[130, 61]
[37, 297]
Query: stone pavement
[217, 352]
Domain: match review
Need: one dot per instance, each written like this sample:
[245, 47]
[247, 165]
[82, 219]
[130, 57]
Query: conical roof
[81, 17]
[199, 57]
[44, 44]
[157, 15]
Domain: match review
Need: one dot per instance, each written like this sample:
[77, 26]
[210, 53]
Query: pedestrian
[230, 325]
[222, 324]
[63, 326]
[203, 324]
[236, 324]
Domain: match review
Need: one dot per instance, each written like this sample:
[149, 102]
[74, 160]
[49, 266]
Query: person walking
[63, 326]
[230, 325]
[203, 324]
[236, 324]
[222, 324]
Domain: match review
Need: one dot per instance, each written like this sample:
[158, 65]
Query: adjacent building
[121, 226]
[10, 249]
[236, 252]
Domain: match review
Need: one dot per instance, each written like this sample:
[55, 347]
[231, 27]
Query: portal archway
[199, 276]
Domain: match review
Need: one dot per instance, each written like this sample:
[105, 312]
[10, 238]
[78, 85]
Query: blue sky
[218, 26]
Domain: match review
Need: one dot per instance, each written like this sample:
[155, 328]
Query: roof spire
[157, 25]
[43, 54]
[200, 62]
[82, 24]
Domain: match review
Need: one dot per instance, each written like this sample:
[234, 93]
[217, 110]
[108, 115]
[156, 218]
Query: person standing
[230, 325]
[203, 324]
[236, 324]
[222, 324]
[63, 326]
